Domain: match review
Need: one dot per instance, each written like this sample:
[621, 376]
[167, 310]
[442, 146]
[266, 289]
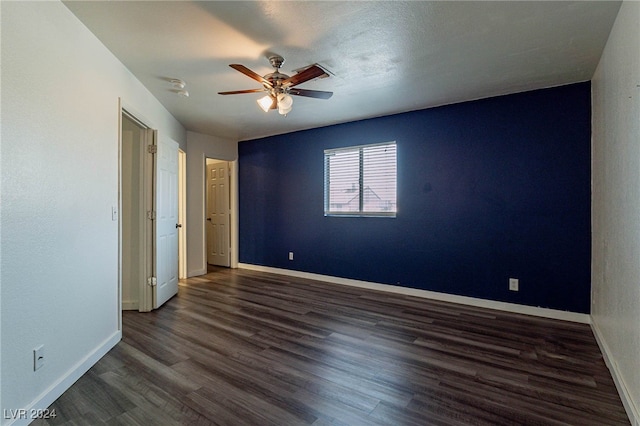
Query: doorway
[149, 216]
[218, 212]
[136, 198]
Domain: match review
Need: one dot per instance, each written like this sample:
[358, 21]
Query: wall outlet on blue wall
[290, 255]
[514, 284]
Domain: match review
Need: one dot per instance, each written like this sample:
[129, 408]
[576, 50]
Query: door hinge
[152, 149]
[152, 281]
[151, 215]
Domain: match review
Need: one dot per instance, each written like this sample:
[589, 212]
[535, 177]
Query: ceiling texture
[384, 57]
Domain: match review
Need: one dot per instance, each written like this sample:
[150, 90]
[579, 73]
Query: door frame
[182, 214]
[234, 225]
[233, 212]
[145, 292]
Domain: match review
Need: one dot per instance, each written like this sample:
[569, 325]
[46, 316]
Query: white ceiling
[385, 57]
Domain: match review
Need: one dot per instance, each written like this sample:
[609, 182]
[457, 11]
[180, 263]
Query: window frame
[361, 172]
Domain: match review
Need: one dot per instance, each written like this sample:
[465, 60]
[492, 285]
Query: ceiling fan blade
[246, 71]
[238, 92]
[306, 75]
[318, 94]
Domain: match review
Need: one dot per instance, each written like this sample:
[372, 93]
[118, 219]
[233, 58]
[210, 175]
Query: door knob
[178, 225]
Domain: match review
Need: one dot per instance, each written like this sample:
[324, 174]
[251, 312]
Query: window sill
[361, 214]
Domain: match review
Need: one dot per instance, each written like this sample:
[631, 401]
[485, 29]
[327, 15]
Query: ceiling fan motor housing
[275, 78]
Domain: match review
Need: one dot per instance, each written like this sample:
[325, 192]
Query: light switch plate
[38, 357]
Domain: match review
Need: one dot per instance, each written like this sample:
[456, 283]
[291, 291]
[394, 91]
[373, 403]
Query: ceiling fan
[280, 86]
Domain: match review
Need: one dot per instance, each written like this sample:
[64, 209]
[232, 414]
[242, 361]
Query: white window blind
[360, 180]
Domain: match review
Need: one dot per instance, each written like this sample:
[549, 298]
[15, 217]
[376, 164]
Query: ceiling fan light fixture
[285, 103]
[284, 111]
[265, 103]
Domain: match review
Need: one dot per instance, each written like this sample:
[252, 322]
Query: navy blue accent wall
[487, 190]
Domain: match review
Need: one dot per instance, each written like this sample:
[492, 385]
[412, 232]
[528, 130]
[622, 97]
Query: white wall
[199, 148]
[59, 153]
[616, 204]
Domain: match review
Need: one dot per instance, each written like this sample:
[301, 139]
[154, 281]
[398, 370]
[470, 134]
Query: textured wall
[616, 199]
[199, 148]
[60, 126]
[487, 190]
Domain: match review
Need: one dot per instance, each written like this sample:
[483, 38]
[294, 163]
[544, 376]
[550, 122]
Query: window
[360, 180]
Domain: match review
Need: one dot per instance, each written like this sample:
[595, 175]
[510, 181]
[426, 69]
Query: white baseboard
[630, 407]
[130, 305]
[46, 398]
[196, 272]
[463, 300]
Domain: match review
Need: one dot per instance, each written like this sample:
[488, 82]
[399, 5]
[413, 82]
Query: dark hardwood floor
[237, 347]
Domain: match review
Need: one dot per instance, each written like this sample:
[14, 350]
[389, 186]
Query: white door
[218, 214]
[166, 232]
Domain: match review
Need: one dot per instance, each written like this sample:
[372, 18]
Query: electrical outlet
[514, 284]
[290, 255]
[38, 357]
